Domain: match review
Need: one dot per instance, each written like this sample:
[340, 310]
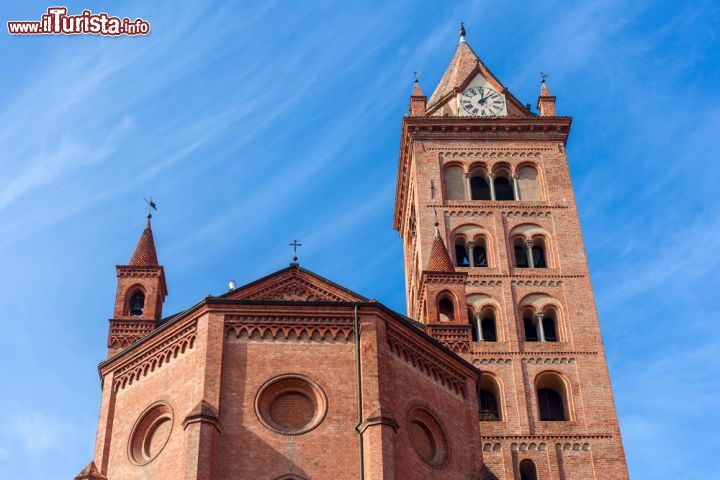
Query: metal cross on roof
[151, 206]
[295, 246]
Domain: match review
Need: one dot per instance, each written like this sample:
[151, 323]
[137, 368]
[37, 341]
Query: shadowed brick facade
[295, 377]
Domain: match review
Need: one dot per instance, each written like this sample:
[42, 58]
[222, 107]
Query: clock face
[482, 102]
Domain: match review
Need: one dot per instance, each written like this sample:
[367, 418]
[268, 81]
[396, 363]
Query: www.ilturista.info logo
[57, 22]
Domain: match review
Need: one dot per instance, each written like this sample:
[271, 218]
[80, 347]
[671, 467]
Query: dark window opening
[528, 470]
[531, 333]
[549, 329]
[446, 308]
[488, 328]
[480, 256]
[550, 404]
[503, 189]
[479, 189]
[473, 326]
[488, 405]
[521, 260]
[137, 304]
[538, 254]
[461, 256]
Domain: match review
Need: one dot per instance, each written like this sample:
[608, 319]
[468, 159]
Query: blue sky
[252, 125]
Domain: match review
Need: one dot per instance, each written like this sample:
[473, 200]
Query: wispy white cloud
[35, 432]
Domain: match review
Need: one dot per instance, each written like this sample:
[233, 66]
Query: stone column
[541, 330]
[490, 177]
[478, 322]
[516, 189]
[528, 249]
[470, 246]
[468, 186]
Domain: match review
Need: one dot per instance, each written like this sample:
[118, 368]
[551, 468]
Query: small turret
[546, 101]
[418, 100]
[141, 291]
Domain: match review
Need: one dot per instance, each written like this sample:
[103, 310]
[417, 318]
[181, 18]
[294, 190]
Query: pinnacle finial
[462, 31]
[544, 90]
[417, 91]
[151, 206]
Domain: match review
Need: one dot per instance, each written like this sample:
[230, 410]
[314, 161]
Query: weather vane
[151, 206]
[295, 246]
[543, 76]
[417, 75]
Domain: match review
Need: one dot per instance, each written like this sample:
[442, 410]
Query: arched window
[479, 252]
[462, 259]
[446, 310]
[527, 184]
[549, 322]
[521, 257]
[479, 187]
[503, 187]
[454, 184]
[488, 395]
[137, 303]
[483, 325]
[528, 470]
[538, 253]
[530, 324]
[552, 398]
[474, 327]
[487, 325]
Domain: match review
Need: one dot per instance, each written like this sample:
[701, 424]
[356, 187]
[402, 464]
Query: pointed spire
[544, 90]
[462, 31]
[417, 91]
[440, 260]
[145, 254]
[418, 101]
[546, 101]
[463, 63]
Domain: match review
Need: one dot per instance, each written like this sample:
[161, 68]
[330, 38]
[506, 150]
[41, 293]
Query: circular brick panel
[150, 434]
[291, 404]
[427, 437]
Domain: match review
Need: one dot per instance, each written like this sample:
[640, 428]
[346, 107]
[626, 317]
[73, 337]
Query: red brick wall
[579, 356]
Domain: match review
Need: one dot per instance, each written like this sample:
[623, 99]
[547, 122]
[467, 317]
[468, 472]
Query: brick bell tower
[141, 291]
[495, 267]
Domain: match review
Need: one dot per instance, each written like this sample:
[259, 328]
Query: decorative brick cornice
[422, 359]
[483, 283]
[124, 333]
[532, 358]
[590, 436]
[295, 289]
[537, 283]
[538, 443]
[456, 337]
[444, 277]
[156, 355]
[289, 327]
[133, 271]
[496, 128]
[498, 360]
[495, 151]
